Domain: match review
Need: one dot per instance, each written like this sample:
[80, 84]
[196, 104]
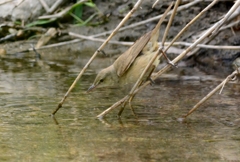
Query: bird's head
[106, 77]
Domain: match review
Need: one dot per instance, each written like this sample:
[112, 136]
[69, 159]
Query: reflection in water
[30, 93]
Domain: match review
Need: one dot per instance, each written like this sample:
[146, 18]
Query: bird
[128, 67]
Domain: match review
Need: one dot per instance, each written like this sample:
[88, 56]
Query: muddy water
[30, 91]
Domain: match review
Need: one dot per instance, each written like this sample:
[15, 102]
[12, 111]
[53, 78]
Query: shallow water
[30, 91]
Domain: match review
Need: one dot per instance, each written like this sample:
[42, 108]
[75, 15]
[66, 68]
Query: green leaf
[39, 22]
[79, 20]
[90, 4]
[78, 11]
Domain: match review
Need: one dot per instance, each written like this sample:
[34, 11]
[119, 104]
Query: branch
[204, 99]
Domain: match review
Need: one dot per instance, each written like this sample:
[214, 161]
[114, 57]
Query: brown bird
[128, 67]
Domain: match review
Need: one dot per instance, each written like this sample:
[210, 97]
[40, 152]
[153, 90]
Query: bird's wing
[153, 42]
[125, 60]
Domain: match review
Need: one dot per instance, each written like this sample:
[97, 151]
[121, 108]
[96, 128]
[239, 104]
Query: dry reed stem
[219, 25]
[136, 6]
[61, 13]
[204, 99]
[131, 43]
[206, 46]
[170, 22]
[230, 25]
[53, 7]
[155, 3]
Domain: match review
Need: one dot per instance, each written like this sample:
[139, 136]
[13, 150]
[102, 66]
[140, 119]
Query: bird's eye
[101, 80]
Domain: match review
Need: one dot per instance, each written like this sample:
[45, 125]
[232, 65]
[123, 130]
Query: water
[30, 91]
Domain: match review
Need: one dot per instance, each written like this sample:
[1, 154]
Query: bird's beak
[91, 88]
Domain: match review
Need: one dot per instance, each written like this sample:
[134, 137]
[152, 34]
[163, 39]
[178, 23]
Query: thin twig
[52, 45]
[223, 85]
[60, 44]
[44, 4]
[99, 39]
[170, 22]
[10, 36]
[230, 25]
[120, 102]
[155, 3]
[131, 43]
[206, 46]
[55, 6]
[19, 2]
[62, 13]
[204, 99]
[6, 1]
[95, 54]
[167, 29]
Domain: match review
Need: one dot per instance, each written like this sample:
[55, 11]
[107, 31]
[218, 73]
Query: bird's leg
[132, 95]
[122, 107]
[120, 122]
[132, 109]
[129, 100]
[121, 110]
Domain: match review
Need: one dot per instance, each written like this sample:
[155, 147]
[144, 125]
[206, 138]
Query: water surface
[30, 90]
